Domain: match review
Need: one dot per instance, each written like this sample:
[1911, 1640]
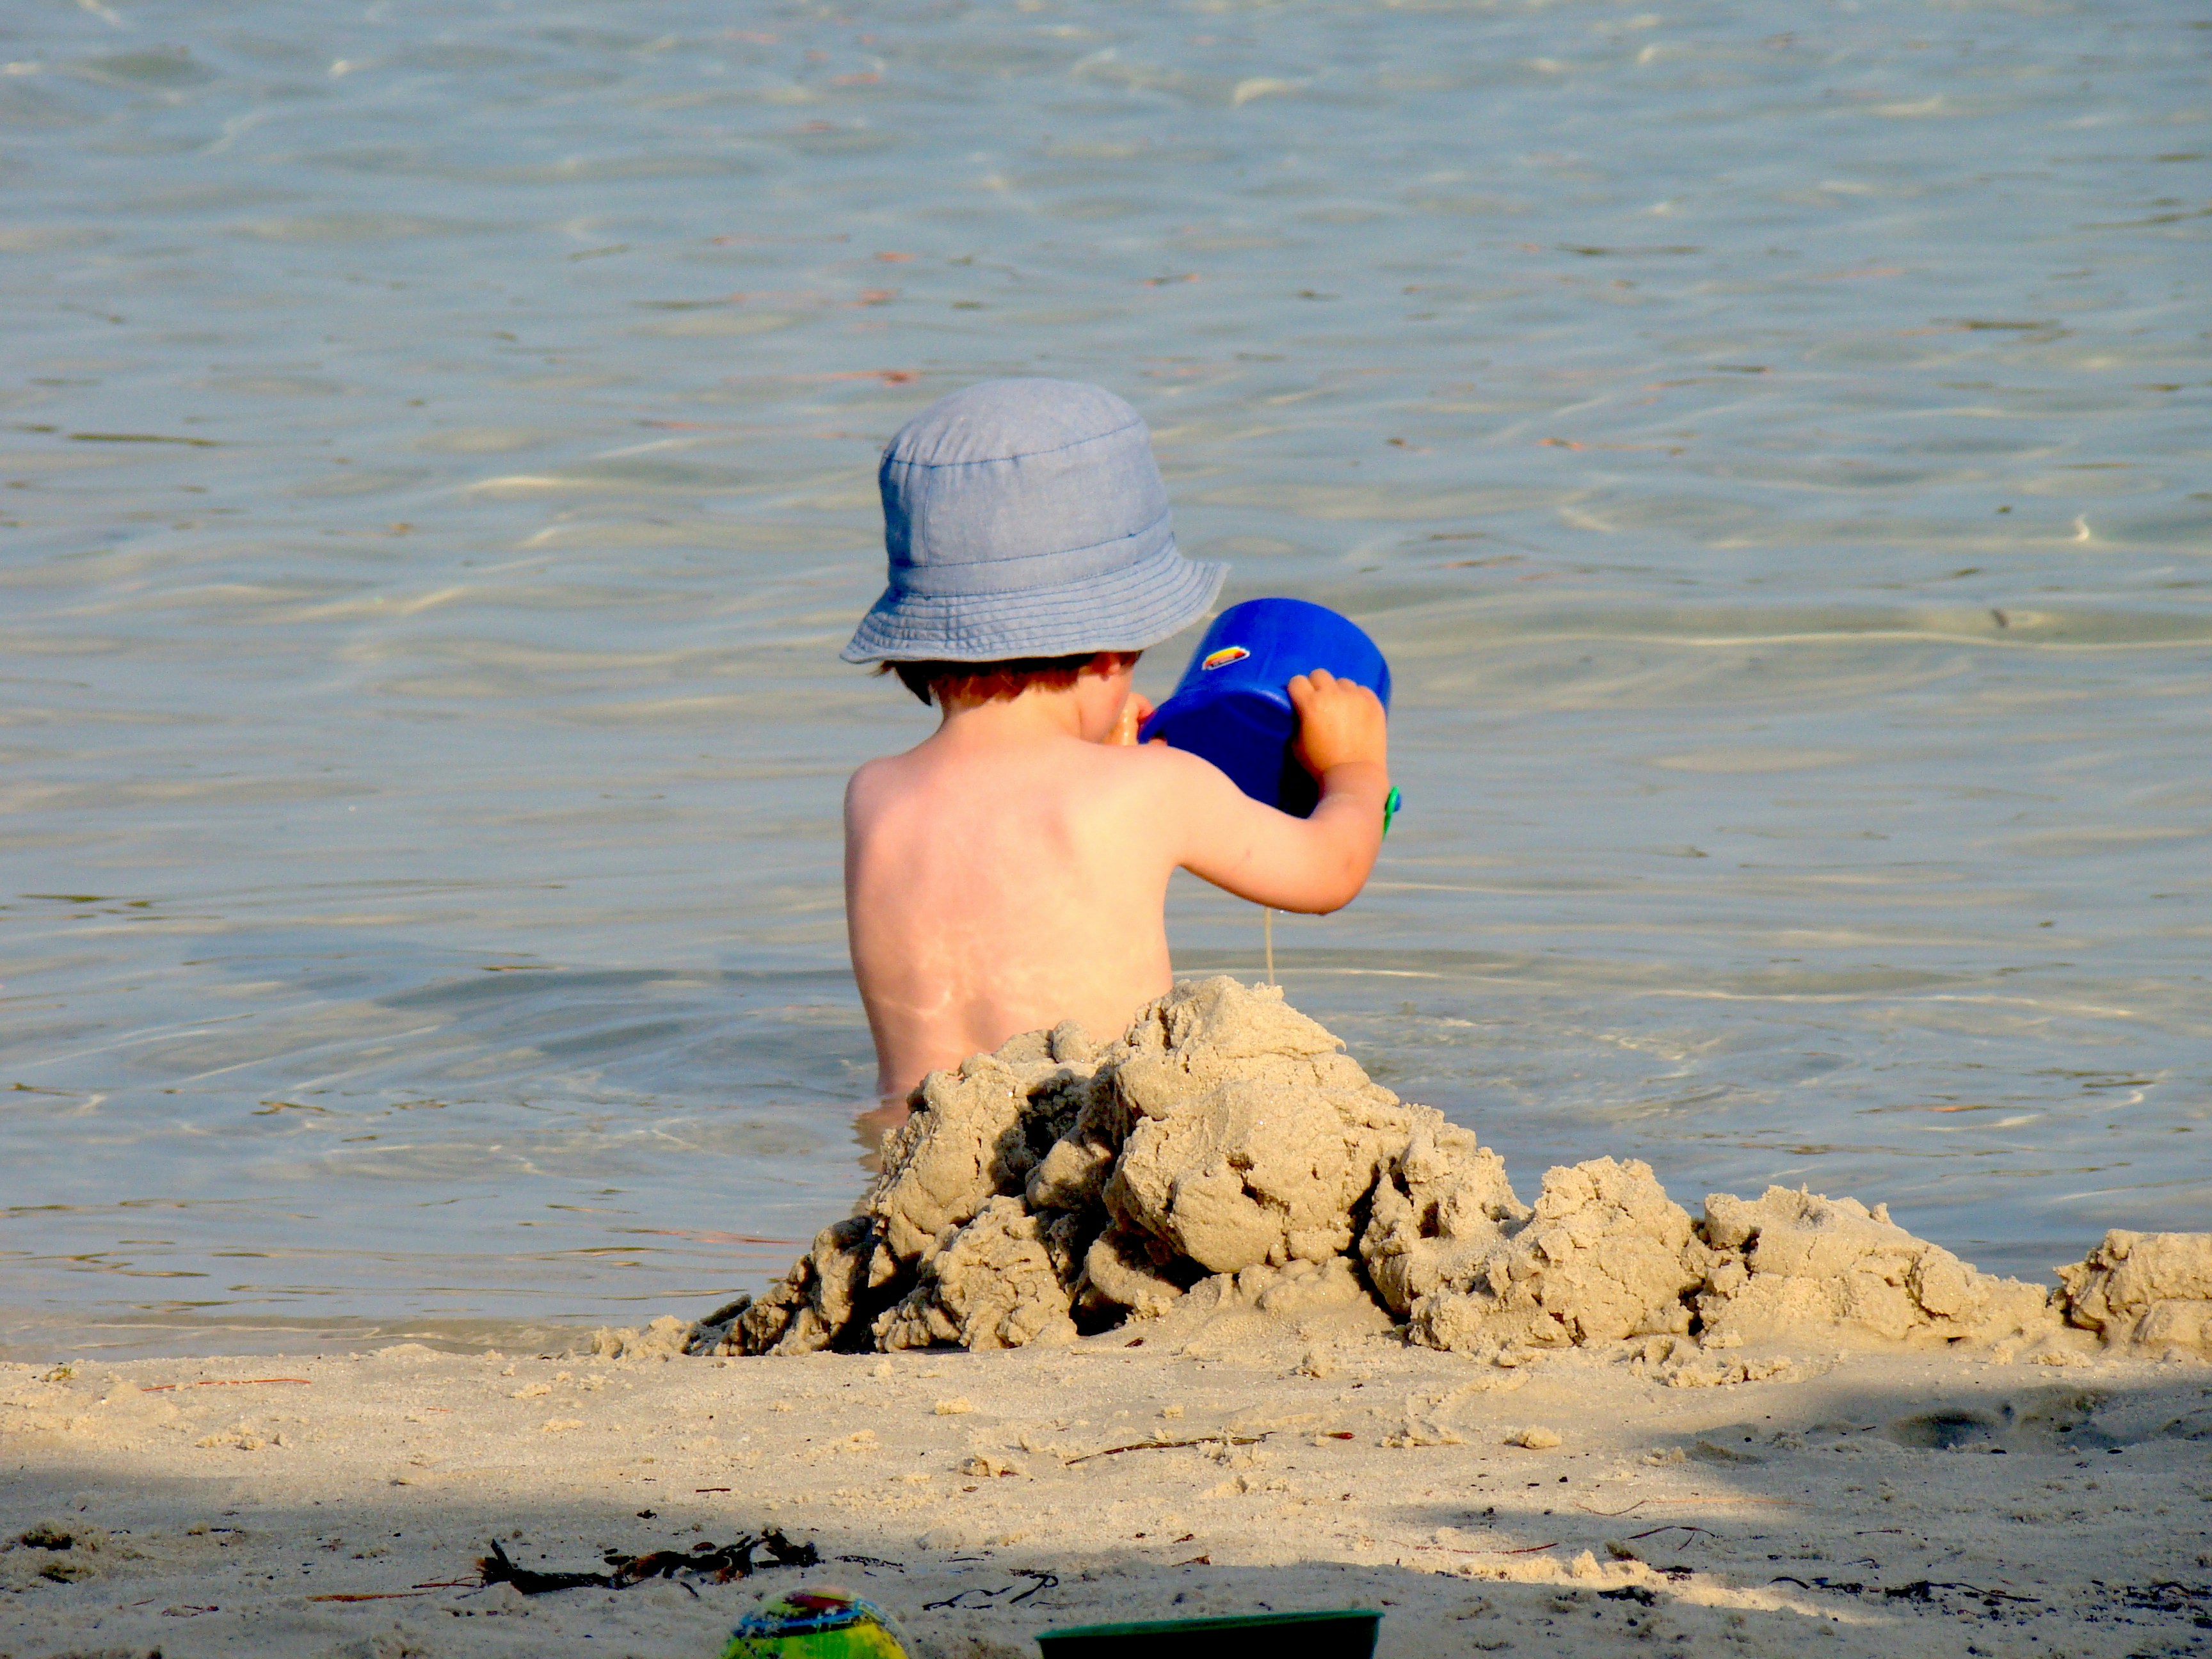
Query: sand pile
[1054, 1188]
[2152, 1290]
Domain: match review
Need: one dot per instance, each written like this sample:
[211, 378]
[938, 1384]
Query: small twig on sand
[228, 1382]
[1168, 1445]
[1922, 1589]
[1041, 1580]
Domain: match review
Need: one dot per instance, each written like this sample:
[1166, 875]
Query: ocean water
[437, 441]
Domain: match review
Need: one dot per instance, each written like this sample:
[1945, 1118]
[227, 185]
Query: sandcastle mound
[2153, 1290]
[1227, 1144]
[1795, 1262]
[1604, 1254]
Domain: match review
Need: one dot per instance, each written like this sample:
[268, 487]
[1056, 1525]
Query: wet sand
[1875, 1503]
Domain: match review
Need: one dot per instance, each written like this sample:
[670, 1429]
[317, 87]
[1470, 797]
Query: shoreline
[1858, 1500]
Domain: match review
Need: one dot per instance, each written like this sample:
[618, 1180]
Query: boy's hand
[1134, 713]
[1340, 723]
[1315, 863]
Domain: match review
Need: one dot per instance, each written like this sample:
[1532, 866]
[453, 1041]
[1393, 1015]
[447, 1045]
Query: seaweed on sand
[719, 1562]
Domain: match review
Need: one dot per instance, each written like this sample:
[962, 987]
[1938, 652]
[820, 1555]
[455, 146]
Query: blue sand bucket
[1233, 704]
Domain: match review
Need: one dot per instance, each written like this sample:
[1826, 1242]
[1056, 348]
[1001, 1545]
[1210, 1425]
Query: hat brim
[1125, 610]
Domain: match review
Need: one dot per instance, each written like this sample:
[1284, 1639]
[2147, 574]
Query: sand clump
[664, 1339]
[1004, 1280]
[1226, 1156]
[52, 1551]
[1251, 1138]
[903, 1262]
[2153, 1290]
[1790, 1263]
[1604, 1254]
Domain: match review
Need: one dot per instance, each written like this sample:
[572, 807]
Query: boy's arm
[1317, 864]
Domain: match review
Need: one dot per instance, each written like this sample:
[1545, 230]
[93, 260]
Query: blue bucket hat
[1027, 518]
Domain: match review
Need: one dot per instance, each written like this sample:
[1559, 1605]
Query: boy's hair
[988, 682]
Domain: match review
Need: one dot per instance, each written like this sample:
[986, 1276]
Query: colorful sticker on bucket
[1222, 658]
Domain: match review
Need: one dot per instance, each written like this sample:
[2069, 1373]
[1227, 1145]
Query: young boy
[1010, 871]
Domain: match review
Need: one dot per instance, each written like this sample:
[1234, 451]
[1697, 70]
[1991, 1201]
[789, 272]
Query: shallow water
[438, 447]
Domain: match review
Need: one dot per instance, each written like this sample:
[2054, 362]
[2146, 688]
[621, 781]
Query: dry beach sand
[1851, 1506]
[1200, 1322]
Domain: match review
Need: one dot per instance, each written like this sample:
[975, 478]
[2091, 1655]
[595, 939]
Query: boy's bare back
[1010, 871]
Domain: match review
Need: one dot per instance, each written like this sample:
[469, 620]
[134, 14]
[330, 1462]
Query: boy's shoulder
[1152, 787]
[885, 775]
[1107, 772]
